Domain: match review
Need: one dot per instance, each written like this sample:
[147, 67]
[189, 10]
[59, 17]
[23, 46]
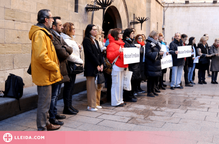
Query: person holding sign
[214, 51]
[178, 64]
[192, 60]
[115, 56]
[203, 52]
[165, 49]
[140, 40]
[153, 59]
[128, 38]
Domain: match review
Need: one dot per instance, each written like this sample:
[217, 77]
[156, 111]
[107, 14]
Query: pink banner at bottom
[98, 137]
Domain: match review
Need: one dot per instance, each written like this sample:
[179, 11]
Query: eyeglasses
[94, 29]
[139, 38]
[50, 17]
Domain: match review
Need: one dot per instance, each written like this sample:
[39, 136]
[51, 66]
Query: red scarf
[141, 43]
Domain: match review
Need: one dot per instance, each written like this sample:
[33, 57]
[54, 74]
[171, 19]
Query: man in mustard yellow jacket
[44, 66]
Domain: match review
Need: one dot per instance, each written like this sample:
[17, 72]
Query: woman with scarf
[139, 40]
[214, 51]
[153, 58]
[128, 37]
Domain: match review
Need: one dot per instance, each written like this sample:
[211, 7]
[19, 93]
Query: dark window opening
[76, 6]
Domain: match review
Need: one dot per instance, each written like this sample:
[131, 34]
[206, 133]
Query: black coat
[174, 47]
[203, 61]
[153, 59]
[135, 68]
[63, 51]
[93, 57]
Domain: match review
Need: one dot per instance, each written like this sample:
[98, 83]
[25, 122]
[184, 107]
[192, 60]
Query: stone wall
[193, 20]
[17, 17]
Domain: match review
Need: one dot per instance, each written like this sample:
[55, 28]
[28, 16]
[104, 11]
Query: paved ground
[190, 114]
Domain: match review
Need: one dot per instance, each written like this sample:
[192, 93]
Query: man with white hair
[178, 64]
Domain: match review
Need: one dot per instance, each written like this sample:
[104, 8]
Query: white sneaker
[92, 109]
[99, 107]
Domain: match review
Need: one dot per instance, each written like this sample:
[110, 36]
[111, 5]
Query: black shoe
[58, 116]
[212, 82]
[131, 100]
[189, 85]
[74, 109]
[121, 105]
[135, 93]
[164, 85]
[172, 88]
[68, 110]
[140, 91]
[216, 82]
[155, 94]
[156, 90]
[204, 82]
[179, 87]
[150, 95]
[200, 82]
[192, 83]
[162, 88]
[134, 97]
[56, 122]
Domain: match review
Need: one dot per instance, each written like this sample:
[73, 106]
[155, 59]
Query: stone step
[10, 107]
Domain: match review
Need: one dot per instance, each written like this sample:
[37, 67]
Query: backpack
[14, 87]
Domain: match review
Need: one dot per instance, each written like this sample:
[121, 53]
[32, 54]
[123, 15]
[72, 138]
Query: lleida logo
[7, 137]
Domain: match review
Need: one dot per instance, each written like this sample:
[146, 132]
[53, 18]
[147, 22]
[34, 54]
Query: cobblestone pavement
[190, 114]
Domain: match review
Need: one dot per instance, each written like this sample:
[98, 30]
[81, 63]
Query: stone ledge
[10, 107]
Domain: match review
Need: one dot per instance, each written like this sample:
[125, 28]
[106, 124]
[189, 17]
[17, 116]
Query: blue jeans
[56, 88]
[176, 76]
[190, 74]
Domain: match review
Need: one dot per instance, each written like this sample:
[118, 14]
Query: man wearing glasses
[44, 66]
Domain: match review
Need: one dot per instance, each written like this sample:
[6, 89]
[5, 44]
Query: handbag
[127, 80]
[108, 66]
[75, 68]
[100, 78]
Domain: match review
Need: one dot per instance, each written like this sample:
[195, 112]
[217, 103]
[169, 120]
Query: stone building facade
[193, 19]
[17, 16]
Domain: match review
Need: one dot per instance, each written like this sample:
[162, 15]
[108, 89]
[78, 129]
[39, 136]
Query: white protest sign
[131, 55]
[166, 62]
[184, 51]
[196, 60]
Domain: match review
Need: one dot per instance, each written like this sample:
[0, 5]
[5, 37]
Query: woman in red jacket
[115, 55]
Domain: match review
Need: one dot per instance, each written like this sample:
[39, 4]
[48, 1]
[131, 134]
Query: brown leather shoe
[52, 127]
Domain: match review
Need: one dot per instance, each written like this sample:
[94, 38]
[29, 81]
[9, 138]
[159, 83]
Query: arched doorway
[112, 19]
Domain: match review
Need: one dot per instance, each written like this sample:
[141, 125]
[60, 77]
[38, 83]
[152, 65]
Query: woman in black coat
[203, 65]
[153, 58]
[135, 68]
[93, 65]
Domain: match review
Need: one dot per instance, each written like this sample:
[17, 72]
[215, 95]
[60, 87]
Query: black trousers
[186, 71]
[152, 84]
[108, 84]
[201, 75]
[68, 90]
[214, 76]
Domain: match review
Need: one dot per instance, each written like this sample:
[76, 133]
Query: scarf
[141, 43]
[216, 46]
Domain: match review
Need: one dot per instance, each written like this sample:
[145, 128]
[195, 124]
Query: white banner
[131, 55]
[166, 62]
[184, 51]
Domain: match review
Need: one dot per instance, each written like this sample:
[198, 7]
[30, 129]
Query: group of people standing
[54, 48]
